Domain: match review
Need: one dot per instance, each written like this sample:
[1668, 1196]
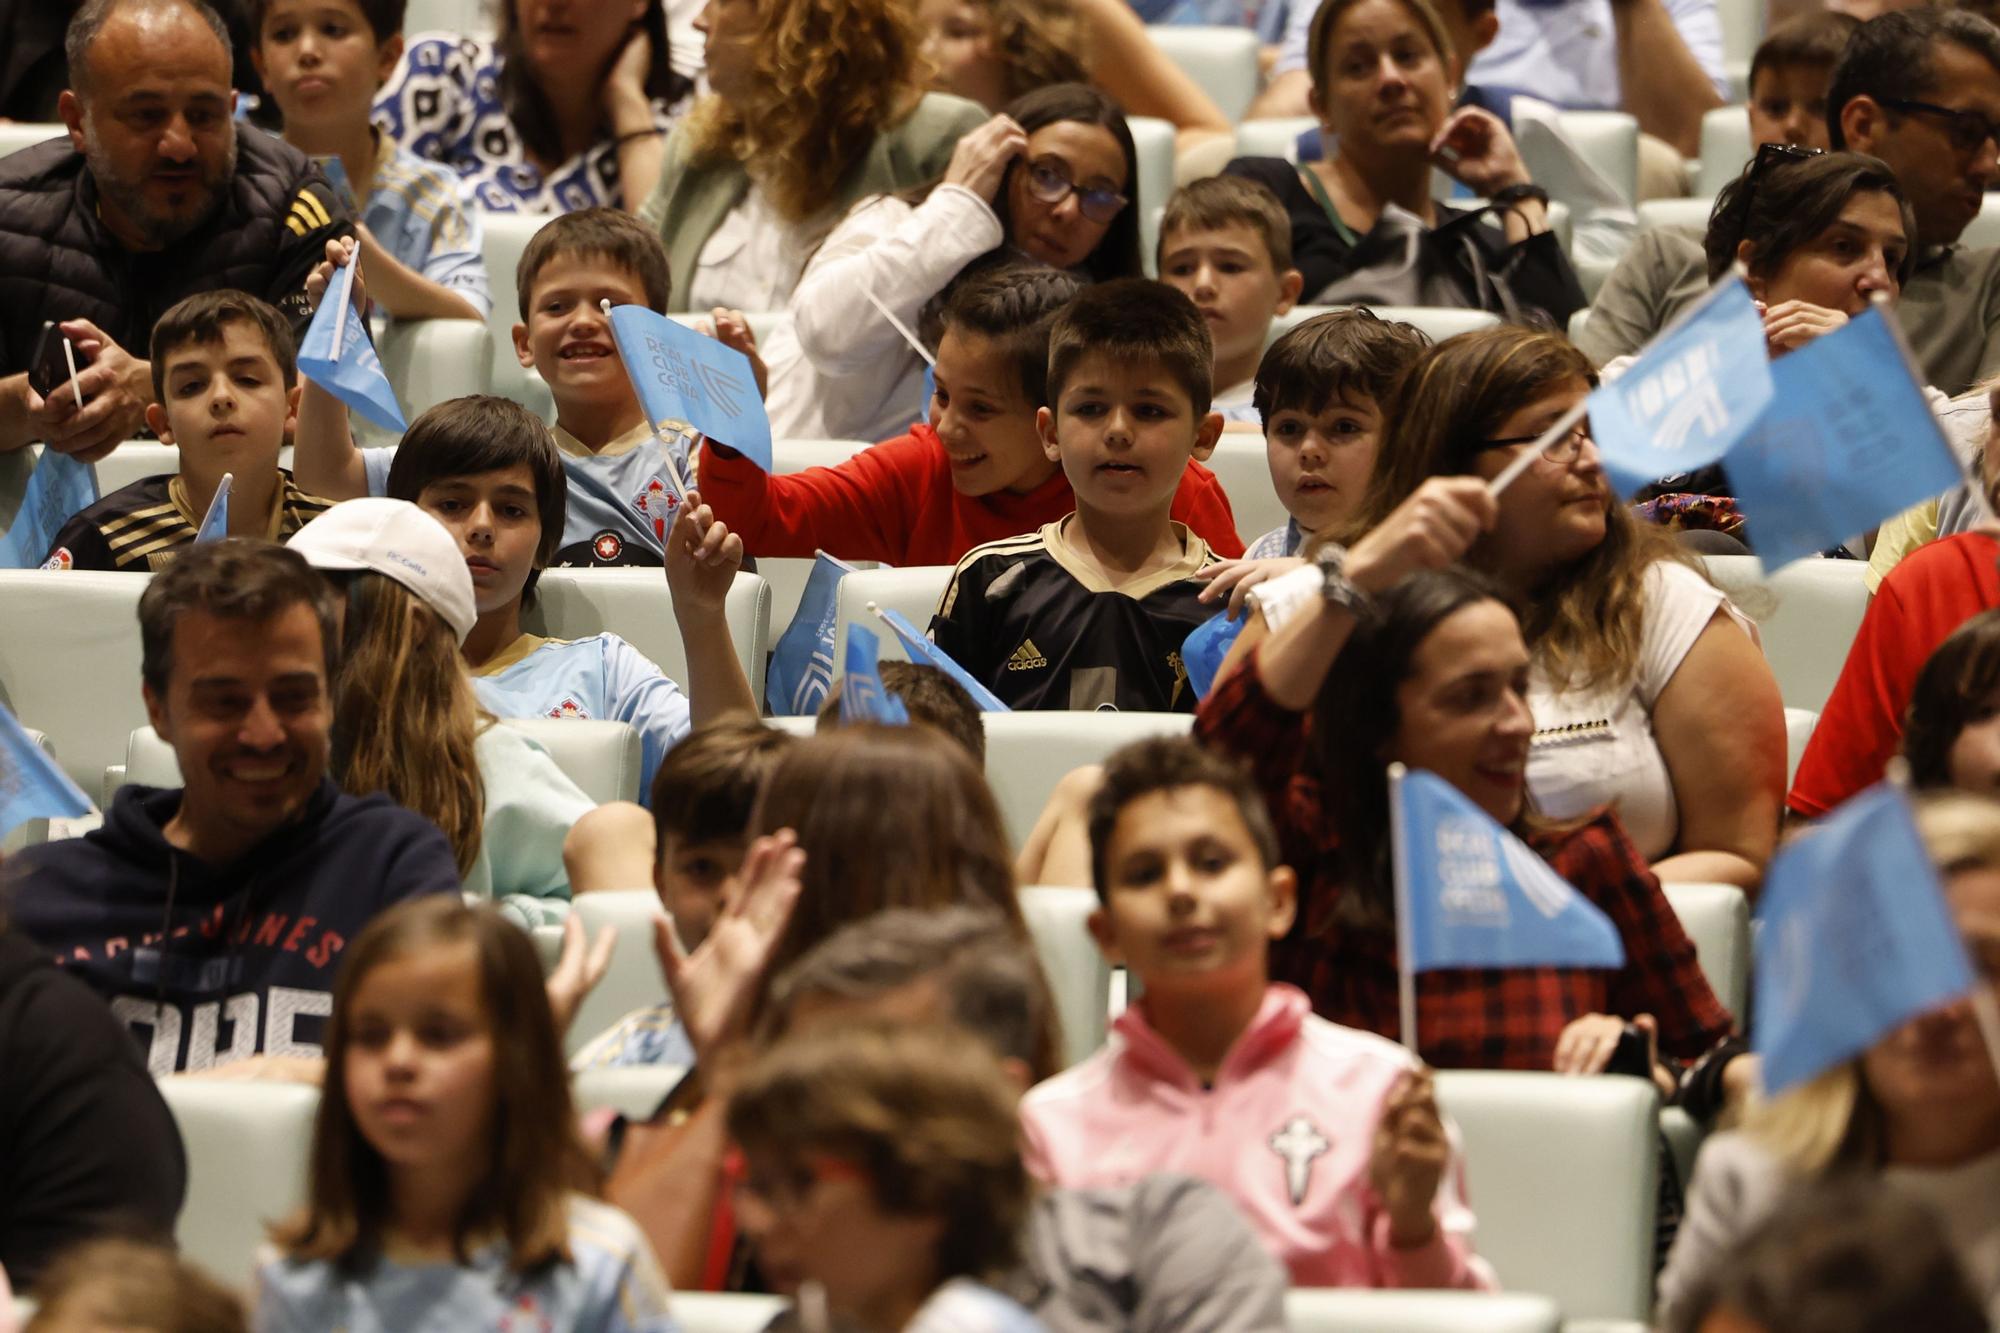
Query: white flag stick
[346, 300]
[69, 355]
[1406, 973]
[900, 327]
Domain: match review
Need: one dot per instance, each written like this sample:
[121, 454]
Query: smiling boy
[1090, 611]
[226, 381]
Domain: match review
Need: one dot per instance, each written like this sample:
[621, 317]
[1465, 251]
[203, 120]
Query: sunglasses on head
[1049, 181]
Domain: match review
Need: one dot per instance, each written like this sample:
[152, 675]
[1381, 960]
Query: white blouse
[752, 259]
[1597, 747]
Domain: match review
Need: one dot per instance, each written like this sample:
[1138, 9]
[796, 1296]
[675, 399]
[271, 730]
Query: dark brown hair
[1117, 254]
[1013, 306]
[609, 234]
[528, 109]
[991, 983]
[928, 1116]
[535, 1159]
[135, 1287]
[1815, 39]
[237, 578]
[1955, 689]
[887, 818]
[1214, 202]
[707, 786]
[932, 699]
[1134, 321]
[200, 319]
[384, 17]
[1891, 58]
[1788, 203]
[1343, 355]
[1162, 763]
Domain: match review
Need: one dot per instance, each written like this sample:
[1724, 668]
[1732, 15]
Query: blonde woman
[1920, 1108]
[406, 721]
[815, 104]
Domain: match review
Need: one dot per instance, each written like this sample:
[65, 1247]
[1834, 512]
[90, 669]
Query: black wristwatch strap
[1514, 194]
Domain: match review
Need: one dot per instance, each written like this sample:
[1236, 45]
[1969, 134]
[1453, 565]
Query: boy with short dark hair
[702, 799]
[1323, 392]
[932, 700]
[1789, 75]
[486, 468]
[322, 62]
[226, 392]
[1090, 611]
[1329, 1139]
[1226, 242]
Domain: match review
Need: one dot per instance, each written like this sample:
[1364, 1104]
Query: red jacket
[894, 502]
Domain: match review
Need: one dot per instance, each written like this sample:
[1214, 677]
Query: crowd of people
[923, 226]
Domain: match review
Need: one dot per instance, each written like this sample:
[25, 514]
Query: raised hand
[1790, 325]
[1235, 578]
[1408, 1159]
[578, 969]
[339, 254]
[980, 160]
[703, 556]
[1475, 148]
[713, 987]
[116, 387]
[1430, 530]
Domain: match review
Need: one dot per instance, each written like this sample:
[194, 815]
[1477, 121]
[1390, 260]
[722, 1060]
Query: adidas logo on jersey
[1027, 657]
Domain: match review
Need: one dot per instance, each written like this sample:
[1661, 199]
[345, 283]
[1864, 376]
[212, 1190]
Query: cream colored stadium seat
[600, 756]
[1691, 214]
[1027, 753]
[1742, 30]
[1079, 978]
[1716, 918]
[1983, 232]
[503, 236]
[635, 605]
[69, 663]
[634, 1091]
[1609, 141]
[1807, 614]
[1436, 322]
[32, 831]
[633, 980]
[725, 1312]
[1799, 724]
[247, 1144]
[1277, 137]
[429, 361]
[1725, 149]
[1154, 170]
[470, 18]
[16, 135]
[1578, 323]
[1222, 60]
[1563, 1174]
[1242, 466]
[914, 591]
[135, 460]
[1326, 1310]
[548, 946]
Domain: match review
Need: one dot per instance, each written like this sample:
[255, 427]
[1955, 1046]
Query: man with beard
[157, 194]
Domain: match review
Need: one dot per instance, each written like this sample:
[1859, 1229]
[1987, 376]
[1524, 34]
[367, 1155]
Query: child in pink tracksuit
[1328, 1138]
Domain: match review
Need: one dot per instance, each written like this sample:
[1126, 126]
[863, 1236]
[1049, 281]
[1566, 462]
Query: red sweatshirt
[894, 502]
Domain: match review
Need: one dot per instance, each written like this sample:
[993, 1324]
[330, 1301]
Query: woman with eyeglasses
[1048, 179]
[1383, 73]
[1648, 689]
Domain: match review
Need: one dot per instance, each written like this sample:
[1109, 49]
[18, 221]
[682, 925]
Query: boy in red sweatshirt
[975, 474]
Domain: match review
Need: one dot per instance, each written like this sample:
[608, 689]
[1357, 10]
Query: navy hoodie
[210, 964]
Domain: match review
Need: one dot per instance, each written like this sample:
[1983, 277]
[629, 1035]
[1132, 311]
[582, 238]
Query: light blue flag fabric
[1474, 895]
[921, 649]
[684, 376]
[54, 488]
[862, 698]
[801, 670]
[1690, 396]
[31, 784]
[1848, 441]
[350, 372]
[1855, 939]
[1203, 650]
[215, 523]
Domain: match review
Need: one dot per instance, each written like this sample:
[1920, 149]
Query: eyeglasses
[1562, 453]
[1967, 130]
[1050, 183]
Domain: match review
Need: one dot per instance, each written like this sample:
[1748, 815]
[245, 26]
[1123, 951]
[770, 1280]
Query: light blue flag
[349, 370]
[801, 670]
[54, 488]
[1855, 939]
[1848, 441]
[862, 698]
[1203, 650]
[215, 523]
[1690, 395]
[921, 649]
[31, 785]
[1474, 895]
[684, 376]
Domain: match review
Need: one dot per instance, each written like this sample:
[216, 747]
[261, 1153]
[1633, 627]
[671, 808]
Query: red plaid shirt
[1467, 1018]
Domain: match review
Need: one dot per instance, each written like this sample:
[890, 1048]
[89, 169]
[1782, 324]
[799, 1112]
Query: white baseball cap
[397, 540]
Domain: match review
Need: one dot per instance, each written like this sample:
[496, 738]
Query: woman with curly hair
[815, 105]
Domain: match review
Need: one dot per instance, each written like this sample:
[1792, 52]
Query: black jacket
[210, 964]
[86, 1144]
[58, 262]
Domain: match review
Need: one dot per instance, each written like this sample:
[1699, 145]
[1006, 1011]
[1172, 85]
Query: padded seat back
[633, 980]
[1277, 137]
[725, 1312]
[248, 1144]
[69, 663]
[135, 460]
[1807, 615]
[1079, 978]
[913, 590]
[1716, 918]
[1027, 753]
[1221, 60]
[635, 605]
[634, 1091]
[429, 361]
[1609, 142]
[1327, 1310]
[1242, 465]
[1725, 149]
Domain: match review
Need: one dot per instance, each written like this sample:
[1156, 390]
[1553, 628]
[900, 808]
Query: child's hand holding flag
[702, 557]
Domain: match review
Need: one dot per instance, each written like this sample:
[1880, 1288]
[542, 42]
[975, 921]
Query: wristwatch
[1514, 194]
[1339, 589]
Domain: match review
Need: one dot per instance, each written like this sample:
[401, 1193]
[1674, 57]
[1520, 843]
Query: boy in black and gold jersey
[225, 377]
[1090, 612]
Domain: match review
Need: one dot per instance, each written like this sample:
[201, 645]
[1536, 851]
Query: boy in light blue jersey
[322, 62]
[486, 468]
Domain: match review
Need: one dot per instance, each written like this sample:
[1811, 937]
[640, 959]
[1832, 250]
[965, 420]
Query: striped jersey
[142, 527]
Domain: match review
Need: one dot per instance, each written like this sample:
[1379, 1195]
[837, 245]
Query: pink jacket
[1287, 1131]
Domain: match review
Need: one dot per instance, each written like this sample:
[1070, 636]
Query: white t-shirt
[752, 259]
[1597, 747]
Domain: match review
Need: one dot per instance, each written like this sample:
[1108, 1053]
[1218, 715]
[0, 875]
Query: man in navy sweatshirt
[212, 917]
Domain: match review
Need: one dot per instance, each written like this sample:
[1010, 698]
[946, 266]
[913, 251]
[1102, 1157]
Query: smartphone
[1632, 1055]
[48, 369]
